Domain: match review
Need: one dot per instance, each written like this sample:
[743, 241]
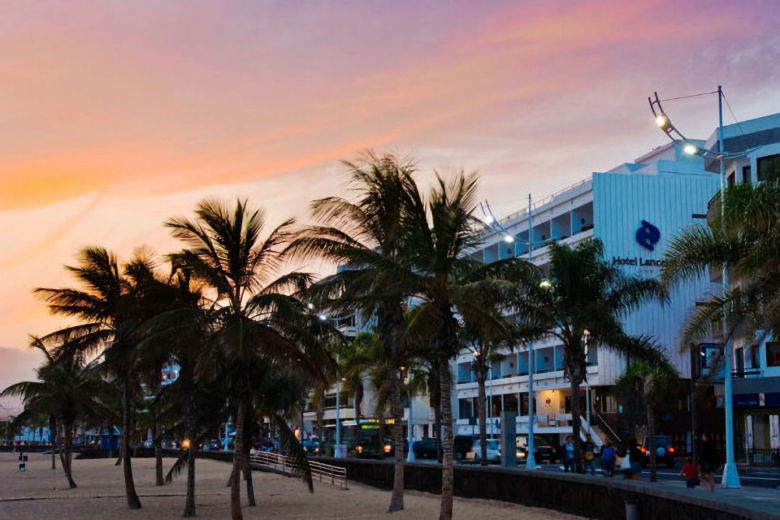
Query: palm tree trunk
[447, 469]
[238, 461]
[250, 487]
[132, 498]
[482, 410]
[53, 434]
[158, 459]
[69, 455]
[576, 425]
[397, 497]
[651, 433]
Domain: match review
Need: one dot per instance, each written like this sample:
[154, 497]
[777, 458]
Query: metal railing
[764, 457]
[319, 471]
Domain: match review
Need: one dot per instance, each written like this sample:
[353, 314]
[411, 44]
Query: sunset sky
[115, 115]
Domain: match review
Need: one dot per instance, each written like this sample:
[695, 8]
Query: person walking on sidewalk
[568, 454]
[708, 461]
[590, 455]
[690, 472]
[608, 459]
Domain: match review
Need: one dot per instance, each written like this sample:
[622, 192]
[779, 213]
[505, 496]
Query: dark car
[544, 450]
[461, 446]
[425, 449]
[312, 446]
[664, 451]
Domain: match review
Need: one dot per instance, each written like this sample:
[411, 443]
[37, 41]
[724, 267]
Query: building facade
[635, 209]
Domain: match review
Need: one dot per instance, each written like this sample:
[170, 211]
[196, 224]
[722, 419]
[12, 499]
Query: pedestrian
[708, 462]
[635, 458]
[568, 454]
[589, 450]
[608, 459]
[690, 472]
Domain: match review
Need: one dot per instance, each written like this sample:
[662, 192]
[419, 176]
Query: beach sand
[40, 493]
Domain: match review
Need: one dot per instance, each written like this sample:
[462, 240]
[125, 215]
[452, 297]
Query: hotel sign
[648, 235]
[638, 261]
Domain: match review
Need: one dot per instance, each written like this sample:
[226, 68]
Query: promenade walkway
[42, 494]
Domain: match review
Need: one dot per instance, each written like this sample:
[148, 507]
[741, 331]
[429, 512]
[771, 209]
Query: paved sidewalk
[758, 499]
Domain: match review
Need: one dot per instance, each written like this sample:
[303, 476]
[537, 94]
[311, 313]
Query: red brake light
[644, 450]
[671, 450]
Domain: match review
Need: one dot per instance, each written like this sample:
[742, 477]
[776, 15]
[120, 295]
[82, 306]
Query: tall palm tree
[65, 392]
[583, 293]
[659, 383]
[747, 241]
[365, 237]
[440, 232]
[253, 318]
[110, 311]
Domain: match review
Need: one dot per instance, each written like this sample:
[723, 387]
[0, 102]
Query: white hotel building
[664, 189]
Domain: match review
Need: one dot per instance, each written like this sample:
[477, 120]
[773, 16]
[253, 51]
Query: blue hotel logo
[648, 235]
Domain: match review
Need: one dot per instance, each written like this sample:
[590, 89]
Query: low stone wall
[603, 499]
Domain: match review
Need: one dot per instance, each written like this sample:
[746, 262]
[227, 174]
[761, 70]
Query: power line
[732, 115]
[690, 96]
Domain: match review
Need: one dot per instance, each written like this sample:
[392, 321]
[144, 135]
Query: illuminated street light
[690, 149]
[730, 477]
[509, 239]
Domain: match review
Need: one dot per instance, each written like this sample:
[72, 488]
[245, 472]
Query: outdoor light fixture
[509, 239]
[545, 284]
[730, 477]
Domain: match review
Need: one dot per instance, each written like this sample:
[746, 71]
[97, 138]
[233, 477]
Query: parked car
[425, 449]
[664, 451]
[492, 453]
[461, 445]
[544, 450]
[312, 446]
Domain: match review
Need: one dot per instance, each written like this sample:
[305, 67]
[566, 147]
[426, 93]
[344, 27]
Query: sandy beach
[40, 493]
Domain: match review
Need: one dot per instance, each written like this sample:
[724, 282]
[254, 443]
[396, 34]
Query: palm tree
[365, 237]
[583, 293]
[746, 240]
[252, 318]
[65, 392]
[659, 383]
[111, 311]
[447, 281]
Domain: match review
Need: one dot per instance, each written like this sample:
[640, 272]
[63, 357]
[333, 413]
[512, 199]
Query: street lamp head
[690, 149]
[662, 121]
[509, 239]
[323, 317]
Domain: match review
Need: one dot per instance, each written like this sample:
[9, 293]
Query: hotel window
[465, 408]
[768, 166]
[732, 179]
[751, 357]
[510, 402]
[746, 174]
[773, 354]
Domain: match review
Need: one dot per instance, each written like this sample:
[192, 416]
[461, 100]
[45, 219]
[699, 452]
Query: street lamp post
[409, 422]
[530, 461]
[586, 333]
[730, 475]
